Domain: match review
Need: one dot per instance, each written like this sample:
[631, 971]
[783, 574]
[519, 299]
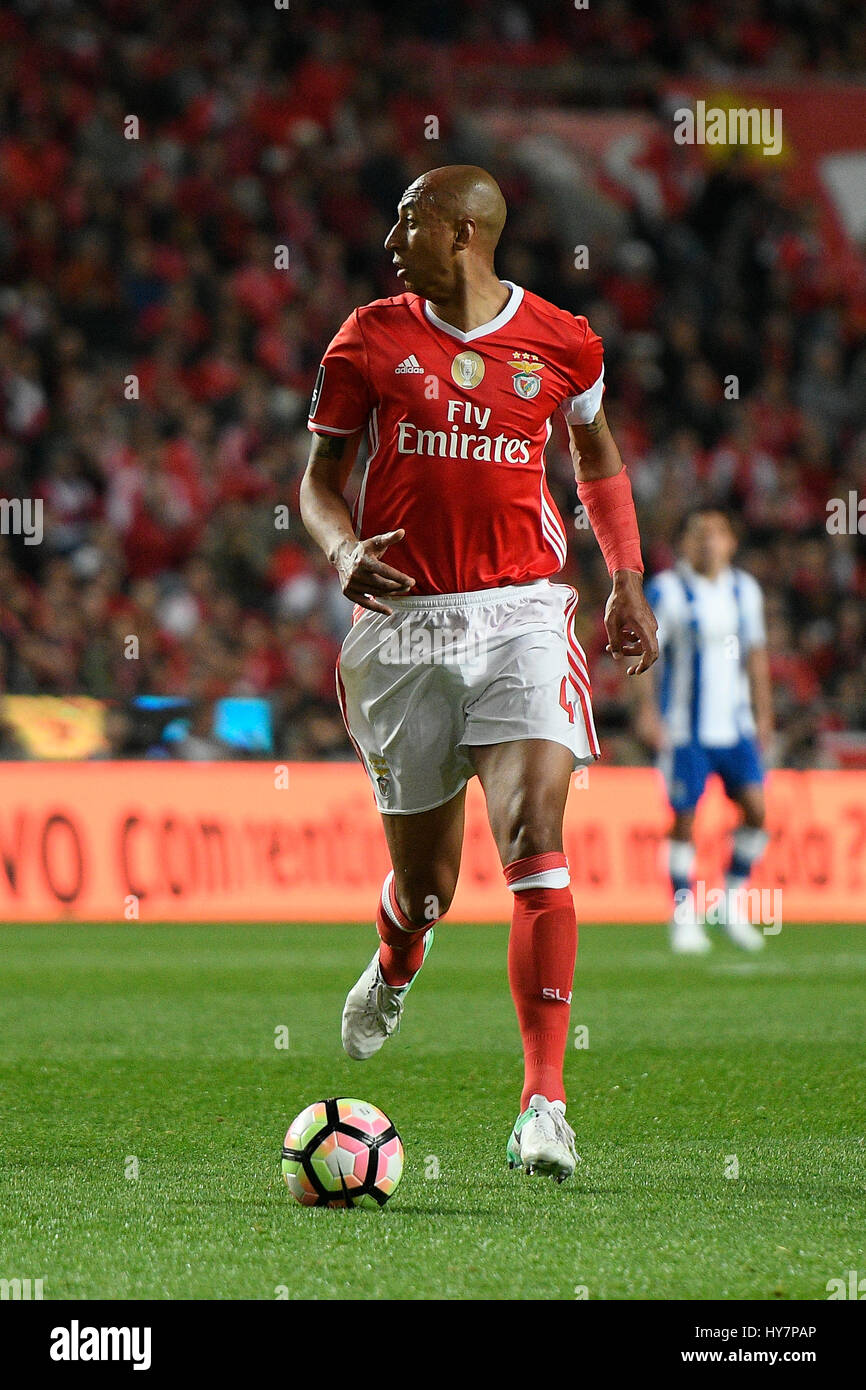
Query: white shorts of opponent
[446, 672]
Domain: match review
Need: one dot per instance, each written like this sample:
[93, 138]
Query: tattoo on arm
[595, 426]
[329, 446]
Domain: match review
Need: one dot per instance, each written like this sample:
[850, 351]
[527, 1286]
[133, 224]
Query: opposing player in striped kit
[713, 713]
[462, 658]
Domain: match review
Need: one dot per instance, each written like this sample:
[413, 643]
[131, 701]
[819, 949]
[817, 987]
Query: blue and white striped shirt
[706, 629]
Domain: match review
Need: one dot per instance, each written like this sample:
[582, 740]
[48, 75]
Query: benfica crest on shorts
[526, 383]
[380, 769]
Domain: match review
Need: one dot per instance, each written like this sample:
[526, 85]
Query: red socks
[401, 944]
[542, 948]
[541, 953]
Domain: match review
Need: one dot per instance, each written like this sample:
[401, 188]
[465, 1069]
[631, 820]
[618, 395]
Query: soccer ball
[342, 1153]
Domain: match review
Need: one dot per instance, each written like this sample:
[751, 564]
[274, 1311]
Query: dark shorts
[686, 770]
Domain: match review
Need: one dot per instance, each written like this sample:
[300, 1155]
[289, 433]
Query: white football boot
[373, 1009]
[542, 1141]
[688, 936]
[737, 926]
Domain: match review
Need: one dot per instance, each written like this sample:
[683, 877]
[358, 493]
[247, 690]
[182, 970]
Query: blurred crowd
[170, 283]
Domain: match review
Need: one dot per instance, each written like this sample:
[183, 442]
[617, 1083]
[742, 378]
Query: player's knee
[684, 823]
[753, 812]
[426, 900]
[527, 834]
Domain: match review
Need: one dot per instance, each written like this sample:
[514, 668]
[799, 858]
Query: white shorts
[446, 672]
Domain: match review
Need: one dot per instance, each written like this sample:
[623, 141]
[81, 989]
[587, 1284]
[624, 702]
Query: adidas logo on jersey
[409, 365]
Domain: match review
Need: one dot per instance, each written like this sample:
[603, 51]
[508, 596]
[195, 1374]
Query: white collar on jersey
[511, 307]
[724, 575]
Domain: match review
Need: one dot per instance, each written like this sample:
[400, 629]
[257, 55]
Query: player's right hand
[363, 576]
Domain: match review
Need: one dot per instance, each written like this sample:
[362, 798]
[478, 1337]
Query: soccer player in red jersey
[462, 658]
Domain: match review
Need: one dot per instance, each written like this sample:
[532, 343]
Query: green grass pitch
[157, 1044]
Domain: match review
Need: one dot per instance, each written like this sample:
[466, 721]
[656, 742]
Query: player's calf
[748, 847]
[401, 936]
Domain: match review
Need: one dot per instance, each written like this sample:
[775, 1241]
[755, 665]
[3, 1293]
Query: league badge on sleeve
[317, 391]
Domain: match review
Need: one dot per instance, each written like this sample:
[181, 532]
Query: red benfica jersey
[457, 425]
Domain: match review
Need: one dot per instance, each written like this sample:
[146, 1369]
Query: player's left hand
[630, 623]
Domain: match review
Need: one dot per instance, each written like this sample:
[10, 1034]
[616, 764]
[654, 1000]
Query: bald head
[463, 192]
[449, 221]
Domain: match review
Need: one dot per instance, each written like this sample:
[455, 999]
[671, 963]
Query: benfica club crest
[380, 770]
[527, 382]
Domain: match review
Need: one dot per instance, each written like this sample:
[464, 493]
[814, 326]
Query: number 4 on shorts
[564, 700]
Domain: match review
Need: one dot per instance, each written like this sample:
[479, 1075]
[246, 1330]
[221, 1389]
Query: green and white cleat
[542, 1141]
[373, 1009]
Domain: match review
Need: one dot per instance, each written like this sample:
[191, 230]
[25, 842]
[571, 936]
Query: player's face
[709, 543]
[422, 247]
